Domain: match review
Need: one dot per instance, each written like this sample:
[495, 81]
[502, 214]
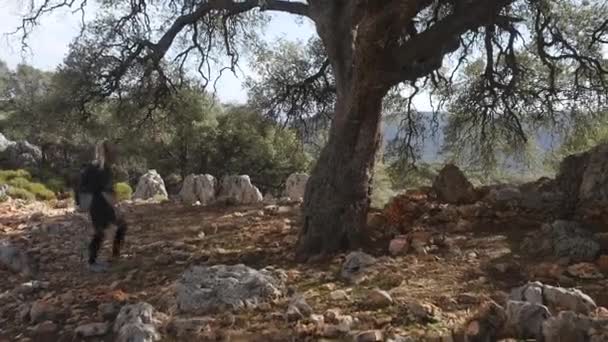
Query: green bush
[7, 175]
[20, 193]
[123, 191]
[19, 182]
[41, 191]
[21, 186]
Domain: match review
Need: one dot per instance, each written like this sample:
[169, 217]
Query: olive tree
[528, 48]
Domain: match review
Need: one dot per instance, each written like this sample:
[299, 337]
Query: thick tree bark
[337, 195]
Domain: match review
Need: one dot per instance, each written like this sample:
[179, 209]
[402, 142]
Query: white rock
[295, 186]
[204, 289]
[198, 189]
[150, 185]
[355, 266]
[16, 260]
[136, 323]
[239, 190]
[554, 297]
[5, 143]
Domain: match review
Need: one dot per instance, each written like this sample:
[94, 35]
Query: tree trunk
[337, 196]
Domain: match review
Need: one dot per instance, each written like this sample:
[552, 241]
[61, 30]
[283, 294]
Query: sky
[48, 44]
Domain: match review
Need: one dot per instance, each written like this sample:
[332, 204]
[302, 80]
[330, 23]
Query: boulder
[452, 186]
[17, 260]
[355, 266]
[150, 185]
[584, 180]
[22, 154]
[593, 190]
[239, 190]
[208, 289]
[137, 322]
[295, 186]
[198, 188]
[569, 239]
[525, 320]
[567, 326]
[554, 297]
[5, 143]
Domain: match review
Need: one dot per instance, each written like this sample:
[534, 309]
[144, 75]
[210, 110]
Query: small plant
[123, 191]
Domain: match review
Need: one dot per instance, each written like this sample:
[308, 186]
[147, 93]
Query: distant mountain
[546, 139]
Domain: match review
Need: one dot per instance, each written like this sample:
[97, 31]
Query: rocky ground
[426, 280]
[432, 284]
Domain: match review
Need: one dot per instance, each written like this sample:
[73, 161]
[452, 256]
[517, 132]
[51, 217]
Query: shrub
[123, 191]
[7, 175]
[22, 187]
[19, 182]
[41, 192]
[20, 193]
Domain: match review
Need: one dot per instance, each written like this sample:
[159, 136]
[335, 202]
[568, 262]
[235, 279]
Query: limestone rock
[295, 186]
[594, 183]
[22, 154]
[201, 188]
[570, 240]
[554, 297]
[525, 320]
[205, 289]
[564, 239]
[355, 266]
[17, 260]
[452, 186]
[3, 191]
[136, 323]
[150, 185]
[239, 190]
[584, 180]
[567, 326]
[5, 143]
[92, 329]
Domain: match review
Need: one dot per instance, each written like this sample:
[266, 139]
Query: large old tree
[535, 59]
